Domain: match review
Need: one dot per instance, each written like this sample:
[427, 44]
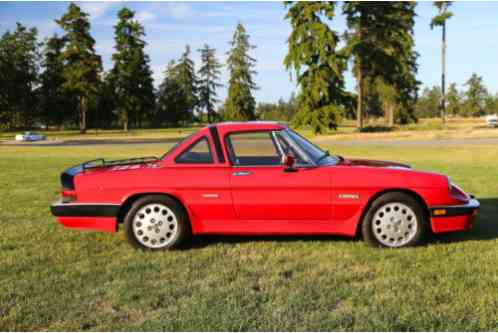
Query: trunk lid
[67, 176]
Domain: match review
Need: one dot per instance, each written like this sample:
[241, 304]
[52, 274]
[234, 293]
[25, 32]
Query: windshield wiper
[326, 154]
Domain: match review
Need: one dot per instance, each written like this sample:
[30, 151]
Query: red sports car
[259, 178]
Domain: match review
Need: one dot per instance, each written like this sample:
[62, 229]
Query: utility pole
[443, 74]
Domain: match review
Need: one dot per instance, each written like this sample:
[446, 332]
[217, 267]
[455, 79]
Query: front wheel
[156, 222]
[394, 219]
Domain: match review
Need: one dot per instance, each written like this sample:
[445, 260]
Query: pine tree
[454, 100]
[171, 99]
[107, 114]
[440, 20]
[318, 65]
[240, 103]
[380, 41]
[19, 76]
[131, 76]
[82, 66]
[187, 81]
[209, 74]
[475, 96]
[55, 101]
[428, 103]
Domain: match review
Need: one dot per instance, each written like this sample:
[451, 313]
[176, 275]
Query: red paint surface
[270, 201]
[106, 224]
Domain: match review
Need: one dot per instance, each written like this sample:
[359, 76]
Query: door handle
[241, 173]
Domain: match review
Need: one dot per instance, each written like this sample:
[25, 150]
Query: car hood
[373, 163]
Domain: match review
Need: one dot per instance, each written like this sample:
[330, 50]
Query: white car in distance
[492, 120]
[30, 136]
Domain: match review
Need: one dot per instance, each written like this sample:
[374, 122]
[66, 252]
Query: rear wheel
[156, 222]
[394, 219]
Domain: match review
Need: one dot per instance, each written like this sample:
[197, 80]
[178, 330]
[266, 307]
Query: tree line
[474, 100]
[60, 83]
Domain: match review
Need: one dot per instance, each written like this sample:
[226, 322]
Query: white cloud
[96, 9]
[144, 16]
[178, 10]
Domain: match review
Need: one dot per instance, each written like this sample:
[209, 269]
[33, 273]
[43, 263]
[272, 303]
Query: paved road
[394, 142]
[332, 142]
[90, 142]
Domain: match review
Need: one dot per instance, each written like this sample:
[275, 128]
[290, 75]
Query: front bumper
[454, 218]
[88, 216]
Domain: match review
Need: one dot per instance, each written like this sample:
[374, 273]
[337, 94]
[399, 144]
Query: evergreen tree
[454, 100]
[440, 20]
[187, 81]
[131, 76]
[82, 66]
[55, 101]
[475, 96]
[317, 64]
[380, 41]
[209, 74]
[19, 76]
[283, 111]
[428, 103]
[107, 114]
[240, 103]
[491, 104]
[172, 103]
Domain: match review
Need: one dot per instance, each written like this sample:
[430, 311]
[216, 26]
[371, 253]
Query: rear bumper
[454, 218]
[87, 216]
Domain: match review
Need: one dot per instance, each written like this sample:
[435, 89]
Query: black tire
[182, 231]
[367, 226]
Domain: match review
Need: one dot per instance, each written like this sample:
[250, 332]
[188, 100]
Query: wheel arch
[126, 205]
[378, 194]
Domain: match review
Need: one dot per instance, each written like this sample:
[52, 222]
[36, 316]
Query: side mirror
[288, 162]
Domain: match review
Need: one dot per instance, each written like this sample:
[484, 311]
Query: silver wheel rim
[394, 224]
[155, 225]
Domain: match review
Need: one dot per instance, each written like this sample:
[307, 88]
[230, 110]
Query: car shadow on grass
[202, 241]
[485, 228]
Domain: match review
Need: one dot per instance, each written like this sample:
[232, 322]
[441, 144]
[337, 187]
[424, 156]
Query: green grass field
[57, 279]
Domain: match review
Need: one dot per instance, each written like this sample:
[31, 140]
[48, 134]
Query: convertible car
[259, 178]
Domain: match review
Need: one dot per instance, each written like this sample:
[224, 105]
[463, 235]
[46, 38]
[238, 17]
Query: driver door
[263, 190]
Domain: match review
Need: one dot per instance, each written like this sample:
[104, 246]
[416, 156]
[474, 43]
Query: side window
[253, 148]
[198, 153]
[288, 149]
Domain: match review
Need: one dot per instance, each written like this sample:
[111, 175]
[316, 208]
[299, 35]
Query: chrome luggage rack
[102, 163]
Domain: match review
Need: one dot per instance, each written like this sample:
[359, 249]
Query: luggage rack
[102, 163]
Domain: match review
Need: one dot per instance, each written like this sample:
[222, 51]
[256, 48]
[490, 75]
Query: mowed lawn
[57, 279]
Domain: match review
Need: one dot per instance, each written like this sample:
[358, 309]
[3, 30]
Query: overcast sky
[472, 36]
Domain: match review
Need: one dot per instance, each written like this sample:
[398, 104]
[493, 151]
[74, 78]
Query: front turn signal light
[439, 212]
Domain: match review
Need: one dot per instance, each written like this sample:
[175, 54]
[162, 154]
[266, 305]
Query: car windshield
[318, 155]
[177, 144]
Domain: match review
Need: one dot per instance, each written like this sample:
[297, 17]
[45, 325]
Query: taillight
[68, 195]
